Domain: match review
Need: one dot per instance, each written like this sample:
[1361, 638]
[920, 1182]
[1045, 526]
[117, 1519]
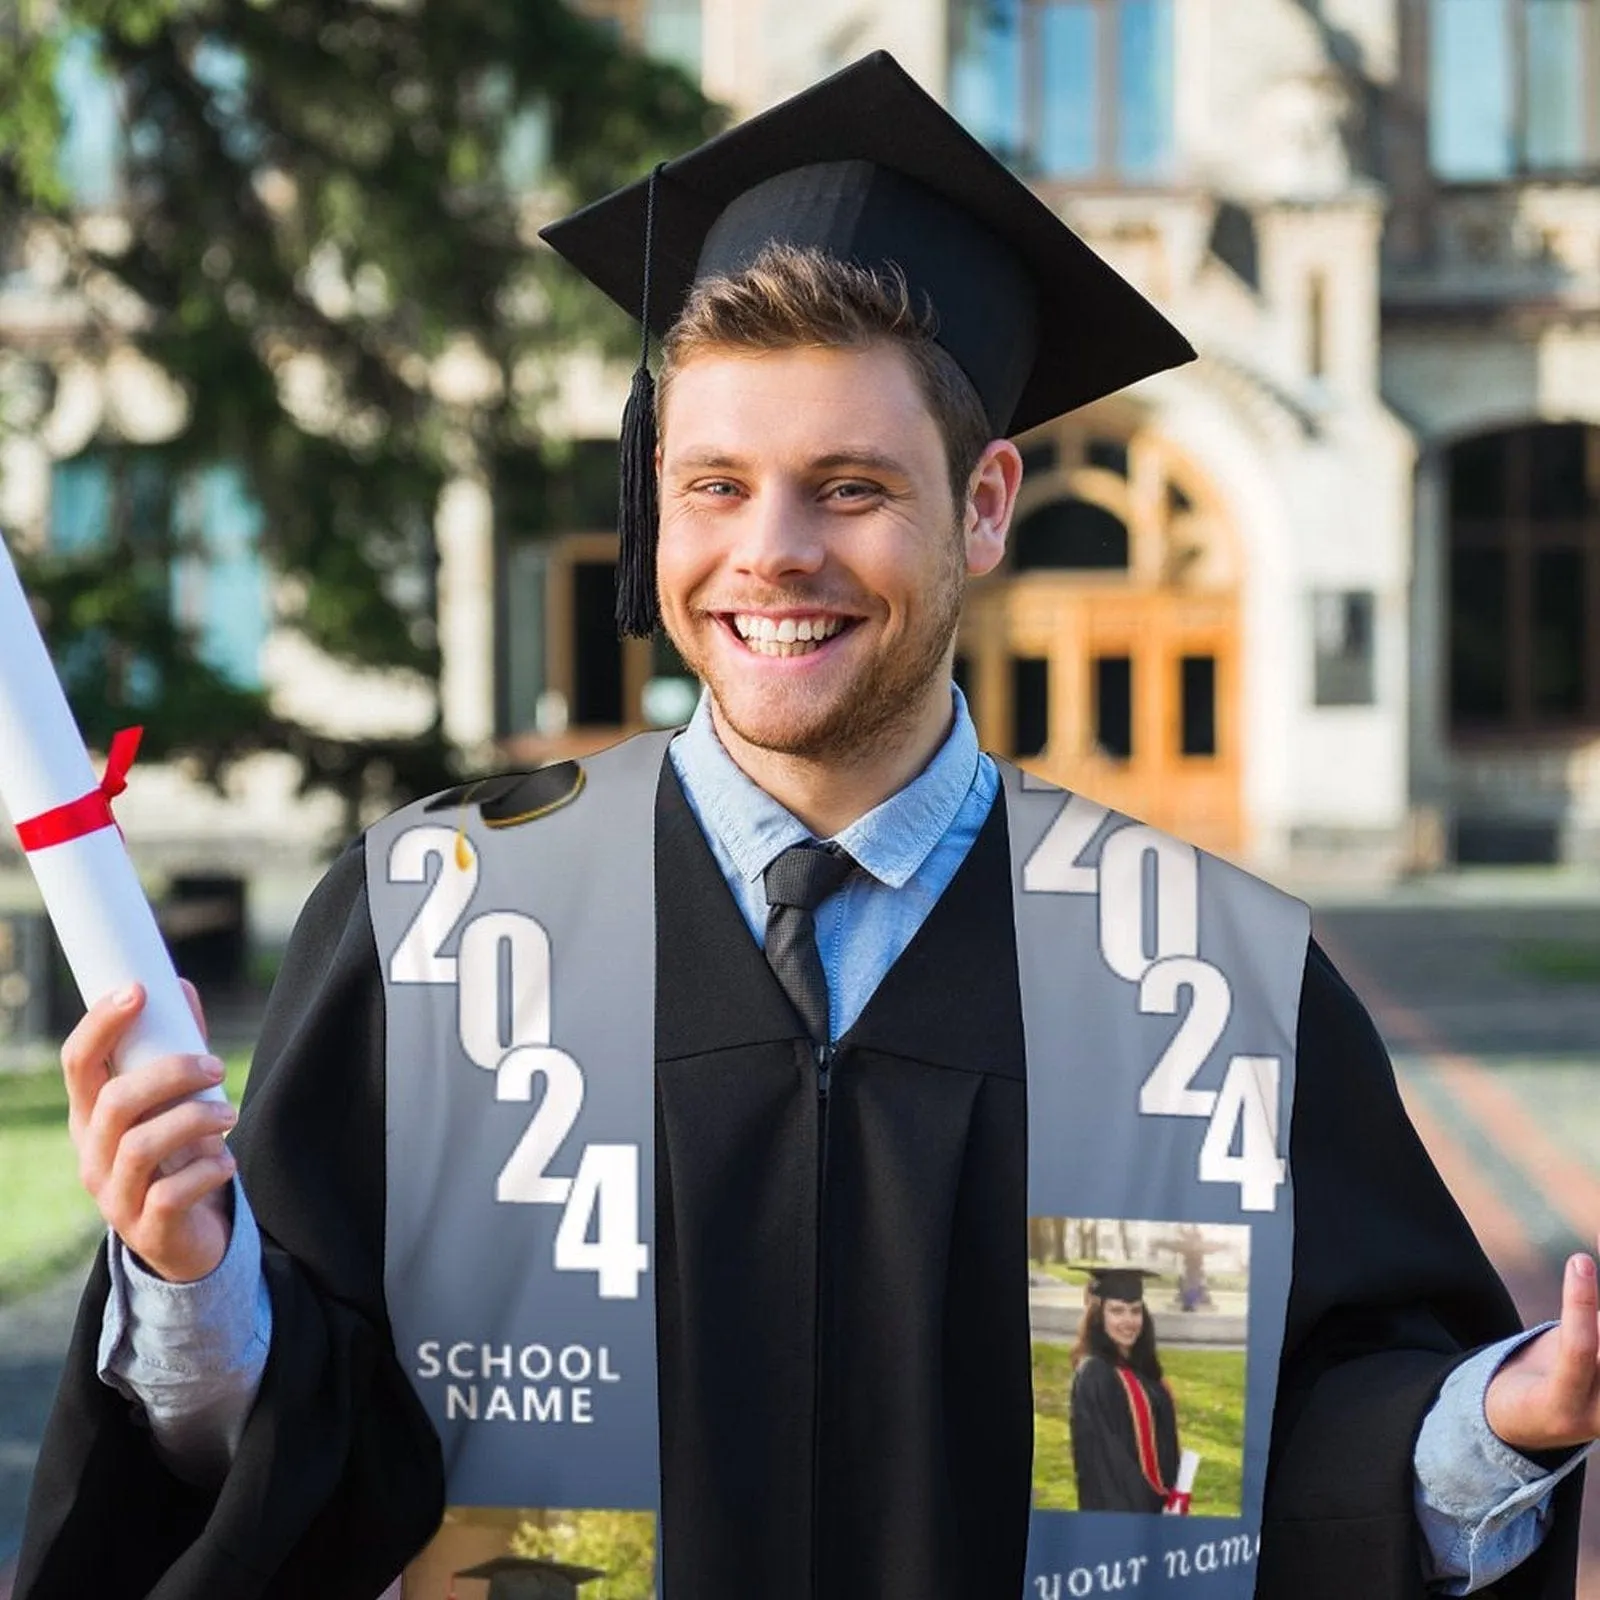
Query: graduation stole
[1160, 996]
[1144, 1431]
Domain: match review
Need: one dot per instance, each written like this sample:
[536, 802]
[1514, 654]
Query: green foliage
[1556, 960]
[1208, 1388]
[48, 1223]
[323, 201]
[621, 1544]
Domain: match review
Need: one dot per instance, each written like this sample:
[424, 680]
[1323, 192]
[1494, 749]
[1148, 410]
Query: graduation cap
[870, 168]
[528, 1578]
[1115, 1282]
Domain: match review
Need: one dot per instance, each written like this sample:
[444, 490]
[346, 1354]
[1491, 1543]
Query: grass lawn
[47, 1222]
[1208, 1386]
[1556, 960]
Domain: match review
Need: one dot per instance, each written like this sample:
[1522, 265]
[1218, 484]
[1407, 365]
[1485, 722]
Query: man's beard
[870, 713]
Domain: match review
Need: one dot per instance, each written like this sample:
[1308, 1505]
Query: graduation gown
[1111, 1471]
[841, 1294]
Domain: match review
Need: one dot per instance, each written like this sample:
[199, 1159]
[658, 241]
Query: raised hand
[153, 1158]
[1547, 1396]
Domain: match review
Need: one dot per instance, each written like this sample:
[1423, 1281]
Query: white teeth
[773, 638]
[788, 631]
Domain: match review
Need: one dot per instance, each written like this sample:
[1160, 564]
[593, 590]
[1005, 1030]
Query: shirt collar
[891, 841]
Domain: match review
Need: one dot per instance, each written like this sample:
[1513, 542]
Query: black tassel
[637, 602]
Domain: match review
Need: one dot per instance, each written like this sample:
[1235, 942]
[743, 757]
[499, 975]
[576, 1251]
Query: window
[672, 31]
[1067, 535]
[1030, 705]
[218, 583]
[1113, 707]
[1515, 87]
[93, 144]
[1197, 700]
[1342, 631]
[1524, 585]
[1073, 89]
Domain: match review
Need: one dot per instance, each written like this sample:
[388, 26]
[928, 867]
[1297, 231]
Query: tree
[329, 209]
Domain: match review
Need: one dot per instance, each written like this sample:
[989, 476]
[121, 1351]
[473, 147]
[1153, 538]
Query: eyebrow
[872, 460]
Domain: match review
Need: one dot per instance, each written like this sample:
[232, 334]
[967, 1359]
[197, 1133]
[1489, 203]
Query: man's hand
[153, 1158]
[1547, 1396]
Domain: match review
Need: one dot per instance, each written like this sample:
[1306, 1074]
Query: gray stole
[1160, 993]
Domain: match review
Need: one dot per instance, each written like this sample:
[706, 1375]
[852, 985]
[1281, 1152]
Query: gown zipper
[822, 1056]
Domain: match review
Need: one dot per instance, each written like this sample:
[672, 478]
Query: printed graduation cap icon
[868, 167]
[528, 1578]
[508, 799]
[1108, 1282]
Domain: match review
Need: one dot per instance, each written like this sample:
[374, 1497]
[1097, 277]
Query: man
[522, 1017]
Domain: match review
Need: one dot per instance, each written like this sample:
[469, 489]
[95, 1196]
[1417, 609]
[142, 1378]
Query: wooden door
[1119, 677]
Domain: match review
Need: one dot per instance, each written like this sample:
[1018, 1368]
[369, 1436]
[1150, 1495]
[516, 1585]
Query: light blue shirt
[909, 848]
[192, 1354]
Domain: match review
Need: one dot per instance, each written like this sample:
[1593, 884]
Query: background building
[1327, 599]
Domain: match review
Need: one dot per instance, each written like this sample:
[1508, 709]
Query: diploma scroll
[90, 889]
[1182, 1492]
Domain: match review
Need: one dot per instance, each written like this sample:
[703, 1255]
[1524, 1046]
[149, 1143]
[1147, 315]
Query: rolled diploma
[90, 889]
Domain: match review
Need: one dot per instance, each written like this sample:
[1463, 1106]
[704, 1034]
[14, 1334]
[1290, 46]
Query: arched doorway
[1104, 654]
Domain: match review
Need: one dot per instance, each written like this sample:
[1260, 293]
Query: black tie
[797, 883]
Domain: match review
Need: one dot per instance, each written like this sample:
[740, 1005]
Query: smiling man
[663, 1136]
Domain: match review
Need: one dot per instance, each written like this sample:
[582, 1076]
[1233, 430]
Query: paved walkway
[33, 1334]
[1500, 1071]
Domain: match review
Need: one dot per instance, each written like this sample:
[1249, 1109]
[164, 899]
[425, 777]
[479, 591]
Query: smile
[788, 636]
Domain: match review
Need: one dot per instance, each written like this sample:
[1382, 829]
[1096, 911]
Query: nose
[776, 539]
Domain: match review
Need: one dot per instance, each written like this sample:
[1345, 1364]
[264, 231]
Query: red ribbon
[1178, 1501]
[88, 813]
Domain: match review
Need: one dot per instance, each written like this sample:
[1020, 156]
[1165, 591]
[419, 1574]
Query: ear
[991, 500]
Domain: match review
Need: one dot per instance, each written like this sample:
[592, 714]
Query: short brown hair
[789, 298]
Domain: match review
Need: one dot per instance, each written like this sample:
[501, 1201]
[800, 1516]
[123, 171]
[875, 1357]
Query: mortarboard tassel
[638, 605]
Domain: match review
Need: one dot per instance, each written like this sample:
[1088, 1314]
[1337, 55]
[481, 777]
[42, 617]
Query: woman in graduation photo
[1124, 1421]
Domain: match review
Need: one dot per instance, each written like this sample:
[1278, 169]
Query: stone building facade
[1327, 599]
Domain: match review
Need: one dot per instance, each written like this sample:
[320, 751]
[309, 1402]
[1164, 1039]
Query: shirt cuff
[1482, 1506]
[190, 1355]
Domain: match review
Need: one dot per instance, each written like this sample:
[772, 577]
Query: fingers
[86, 1052]
[192, 995]
[171, 1199]
[149, 1109]
[134, 1179]
[1579, 1341]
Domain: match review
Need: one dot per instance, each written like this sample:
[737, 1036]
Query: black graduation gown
[841, 1291]
[1105, 1448]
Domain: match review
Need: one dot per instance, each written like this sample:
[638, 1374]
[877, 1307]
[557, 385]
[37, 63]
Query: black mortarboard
[1116, 1283]
[525, 1578]
[870, 168]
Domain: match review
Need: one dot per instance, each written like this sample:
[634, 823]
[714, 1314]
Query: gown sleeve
[338, 1480]
[1391, 1291]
